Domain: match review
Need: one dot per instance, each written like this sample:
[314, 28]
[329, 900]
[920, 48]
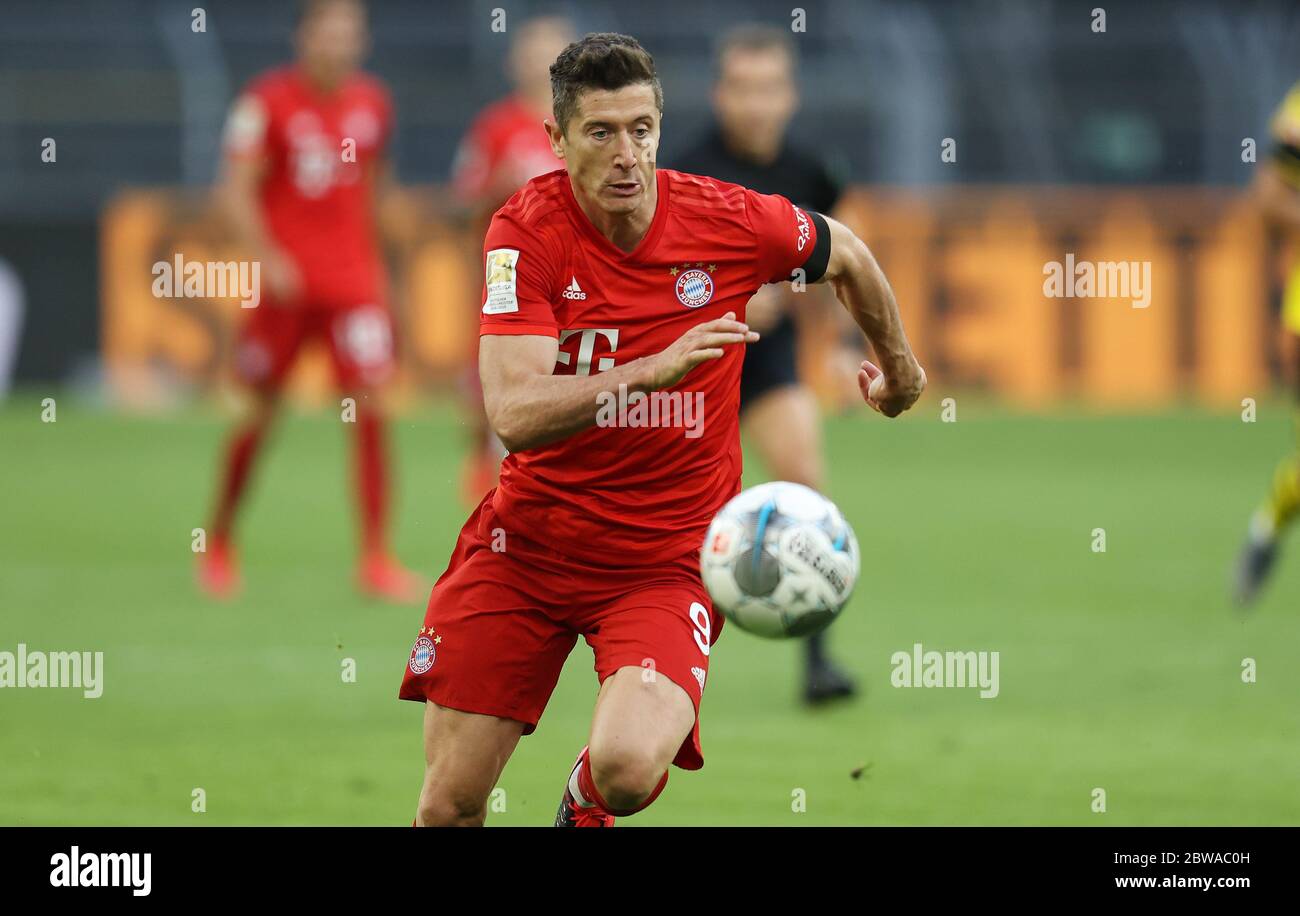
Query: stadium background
[1120, 670]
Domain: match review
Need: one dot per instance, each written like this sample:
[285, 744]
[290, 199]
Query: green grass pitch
[1119, 670]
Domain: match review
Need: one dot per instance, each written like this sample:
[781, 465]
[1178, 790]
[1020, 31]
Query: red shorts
[500, 624]
[359, 338]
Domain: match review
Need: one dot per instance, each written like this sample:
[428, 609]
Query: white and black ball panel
[780, 560]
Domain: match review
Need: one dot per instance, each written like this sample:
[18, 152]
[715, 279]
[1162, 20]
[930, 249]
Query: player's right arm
[862, 288]
[821, 250]
[238, 194]
[1275, 186]
[1279, 200]
[528, 406]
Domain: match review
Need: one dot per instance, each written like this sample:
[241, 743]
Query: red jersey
[317, 197]
[505, 147]
[636, 490]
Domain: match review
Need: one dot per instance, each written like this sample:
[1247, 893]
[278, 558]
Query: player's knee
[447, 806]
[624, 776]
[801, 465]
[807, 472]
[264, 410]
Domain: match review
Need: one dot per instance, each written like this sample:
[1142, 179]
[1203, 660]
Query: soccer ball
[779, 560]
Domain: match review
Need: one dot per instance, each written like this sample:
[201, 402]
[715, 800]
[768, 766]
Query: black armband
[815, 267]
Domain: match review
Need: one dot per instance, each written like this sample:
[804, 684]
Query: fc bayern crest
[694, 288]
[422, 655]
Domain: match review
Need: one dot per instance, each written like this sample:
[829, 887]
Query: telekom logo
[587, 349]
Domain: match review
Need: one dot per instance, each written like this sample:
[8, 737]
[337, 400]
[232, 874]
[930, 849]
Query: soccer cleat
[218, 570]
[824, 681]
[1254, 564]
[382, 577]
[572, 814]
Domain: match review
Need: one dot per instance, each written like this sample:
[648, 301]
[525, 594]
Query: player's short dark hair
[754, 36]
[600, 60]
[307, 9]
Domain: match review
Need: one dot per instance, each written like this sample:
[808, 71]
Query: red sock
[239, 460]
[372, 481]
[589, 792]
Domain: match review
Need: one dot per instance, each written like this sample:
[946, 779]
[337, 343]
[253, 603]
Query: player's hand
[890, 394]
[283, 279]
[700, 344]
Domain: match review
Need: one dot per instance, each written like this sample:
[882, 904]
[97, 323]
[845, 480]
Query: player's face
[333, 42]
[610, 146]
[755, 98]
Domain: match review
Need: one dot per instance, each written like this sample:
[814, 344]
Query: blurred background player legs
[1272, 518]
[782, 423]
[504, 147]
[218, 570]
[304, 164]
[360, 345]
[754, 98]
[1277, 190]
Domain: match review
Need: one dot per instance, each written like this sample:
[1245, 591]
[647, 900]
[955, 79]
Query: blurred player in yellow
[1277, 188]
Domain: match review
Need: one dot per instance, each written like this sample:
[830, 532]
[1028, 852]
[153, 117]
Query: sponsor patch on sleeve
[805, 230]
[246, 126]
[502, 281]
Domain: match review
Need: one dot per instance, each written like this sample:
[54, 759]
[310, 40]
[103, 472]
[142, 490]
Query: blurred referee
[754, 99]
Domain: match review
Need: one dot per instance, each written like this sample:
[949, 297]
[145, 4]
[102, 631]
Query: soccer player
[1277, 188]
[304, 157]
[754, 98]
[607, 280]
[505, 147]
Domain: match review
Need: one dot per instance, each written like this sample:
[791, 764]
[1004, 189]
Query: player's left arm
[390, 212]
[860, 285]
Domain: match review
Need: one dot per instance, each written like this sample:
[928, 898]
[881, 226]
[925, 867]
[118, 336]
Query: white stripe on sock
[575, 791]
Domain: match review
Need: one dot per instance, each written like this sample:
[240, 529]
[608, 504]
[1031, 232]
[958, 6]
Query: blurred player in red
[612, 280]
[505, 147]
[304, 161]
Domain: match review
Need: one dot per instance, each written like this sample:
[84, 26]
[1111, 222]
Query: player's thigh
[489, 645]
[361, 345]
[267, 345]
[465, 754]
[652, 645]
[784, 425]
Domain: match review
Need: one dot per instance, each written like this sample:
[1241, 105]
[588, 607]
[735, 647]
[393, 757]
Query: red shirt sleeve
[472, 165]
[786, 236]
[248, 133]
[519, 282]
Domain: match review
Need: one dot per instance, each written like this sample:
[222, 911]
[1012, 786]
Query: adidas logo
[574, 291]
[699, 676]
